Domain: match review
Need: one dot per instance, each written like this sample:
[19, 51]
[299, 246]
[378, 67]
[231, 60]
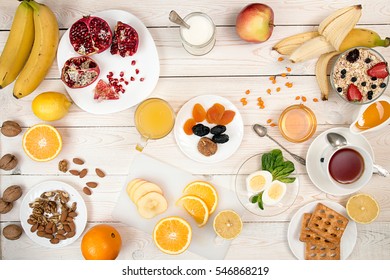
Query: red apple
[255, 23]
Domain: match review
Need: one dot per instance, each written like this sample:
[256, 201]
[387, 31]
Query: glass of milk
[199, 39]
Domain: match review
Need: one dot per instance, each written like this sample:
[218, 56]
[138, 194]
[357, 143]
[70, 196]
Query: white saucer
[348, 239]
[315, 168]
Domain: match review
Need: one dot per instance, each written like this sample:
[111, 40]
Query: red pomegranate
[125, 41]
[104, 91]
[79, 72]
[90, 35]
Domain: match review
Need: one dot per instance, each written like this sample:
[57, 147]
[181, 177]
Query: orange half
[42, 142]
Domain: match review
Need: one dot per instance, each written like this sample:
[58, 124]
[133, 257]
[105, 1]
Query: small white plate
[315, 168]
[146, 58]
[348, 240]
[34, 193]
[189, 143]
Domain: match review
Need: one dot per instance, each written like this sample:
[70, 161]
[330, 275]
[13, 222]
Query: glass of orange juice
[154, 119]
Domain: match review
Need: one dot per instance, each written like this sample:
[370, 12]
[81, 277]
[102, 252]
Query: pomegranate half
[125, 41]
[79, 72]
[90, 35]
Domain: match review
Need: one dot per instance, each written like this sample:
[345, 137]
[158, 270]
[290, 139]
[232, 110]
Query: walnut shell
[12, 193]
[5, 207]
[12, 232]
[10, 128]
[8, 162]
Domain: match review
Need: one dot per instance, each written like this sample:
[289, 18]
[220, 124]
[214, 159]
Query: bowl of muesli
[360, 75]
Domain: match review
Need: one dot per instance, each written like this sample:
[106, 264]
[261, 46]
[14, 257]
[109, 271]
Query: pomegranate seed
[133, 62]
[132, 79]
[110, 74]
[142, 79]
[137, 71]
[121, 80]
[123, 90]
[121, 74]
[126, 83]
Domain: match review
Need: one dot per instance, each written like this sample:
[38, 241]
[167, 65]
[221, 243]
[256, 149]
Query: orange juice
[297, 123]
[154, 118]
[376, 114]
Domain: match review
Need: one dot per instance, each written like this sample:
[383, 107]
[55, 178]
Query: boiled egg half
[258, 181]
[274, 193]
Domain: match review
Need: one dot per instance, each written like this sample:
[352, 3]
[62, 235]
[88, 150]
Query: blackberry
[382, 85]
[339, 89]
[374, 78]
[370, 94]
[373, 86]
[363, 84]
[353, 79]
[343, 71]
[342, 76]
[353, 56]
[367, 60]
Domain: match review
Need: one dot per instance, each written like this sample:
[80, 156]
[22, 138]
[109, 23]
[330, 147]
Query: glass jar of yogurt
[199, 39]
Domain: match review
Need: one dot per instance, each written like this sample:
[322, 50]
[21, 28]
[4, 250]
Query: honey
[376, 114]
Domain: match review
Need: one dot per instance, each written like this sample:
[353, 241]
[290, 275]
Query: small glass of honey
[297, 123]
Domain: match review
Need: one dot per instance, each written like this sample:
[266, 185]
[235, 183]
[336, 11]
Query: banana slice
[151, 205]
[145, 188]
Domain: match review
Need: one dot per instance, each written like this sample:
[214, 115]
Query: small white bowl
[360, 112]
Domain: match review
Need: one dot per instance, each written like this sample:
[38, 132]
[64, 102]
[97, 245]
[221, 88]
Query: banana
[287, 45]
[43, 51]
[337, 26]
[360, 37]
[18, 45]
[321, 73]
[311, 49]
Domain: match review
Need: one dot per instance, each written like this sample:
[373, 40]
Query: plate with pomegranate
[209, 129]
[108, 62]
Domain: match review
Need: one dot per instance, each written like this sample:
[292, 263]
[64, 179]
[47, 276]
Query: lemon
[227, 224]
[50, 106]
[362, 208]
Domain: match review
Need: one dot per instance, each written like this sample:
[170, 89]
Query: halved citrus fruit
[196, 207]
[172, 235]
[362, 208]
[205, 191]
[227, 224]
[42, 142]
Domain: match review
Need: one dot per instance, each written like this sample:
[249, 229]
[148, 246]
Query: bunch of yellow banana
[30, 48]
[335, 34]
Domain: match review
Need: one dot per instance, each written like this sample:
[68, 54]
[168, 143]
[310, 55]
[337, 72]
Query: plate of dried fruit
[108, 75]
[209, 129]
[53, 214]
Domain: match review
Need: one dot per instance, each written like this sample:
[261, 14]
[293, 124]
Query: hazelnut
[8, 162]
[10, 128]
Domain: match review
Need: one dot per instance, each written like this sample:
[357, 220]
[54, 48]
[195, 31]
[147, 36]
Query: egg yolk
[257, 183]
[275, 191]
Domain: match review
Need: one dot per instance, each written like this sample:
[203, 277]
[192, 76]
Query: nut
[92, 184]
[63, 165]
[8, 162]
[5, 207]
[12, 193]
[100, 173]
[78, 161]
[207, 147]
[87, 191]
[10, 128]
[83, 173]
[12, 232]
[74, 172]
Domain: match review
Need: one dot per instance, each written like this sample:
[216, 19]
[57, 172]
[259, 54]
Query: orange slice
[42, 142]
[172, 235]
[205, 191]
[196, 207]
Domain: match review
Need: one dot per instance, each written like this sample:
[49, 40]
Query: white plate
[146, 61]
[251, 165]
[34, 193]
[315, 168]
[188, 143]
[348, 239]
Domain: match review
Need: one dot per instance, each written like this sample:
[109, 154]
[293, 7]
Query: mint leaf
[254, 198]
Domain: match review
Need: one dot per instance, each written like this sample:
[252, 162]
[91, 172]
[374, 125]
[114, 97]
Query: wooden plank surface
[229, 70]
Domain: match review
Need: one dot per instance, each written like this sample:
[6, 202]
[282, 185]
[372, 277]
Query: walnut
[12, 232]
[5, 207]
[8, 162]
[10, 128]
[12, 193]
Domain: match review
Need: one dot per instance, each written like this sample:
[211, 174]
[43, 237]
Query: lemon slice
[362, 208]
[227, 224]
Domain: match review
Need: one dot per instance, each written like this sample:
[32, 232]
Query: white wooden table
[229, 70]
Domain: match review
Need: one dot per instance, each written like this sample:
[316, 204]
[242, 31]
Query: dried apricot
[227, 117]
[188, 125]
[198, 113]
[215, 113]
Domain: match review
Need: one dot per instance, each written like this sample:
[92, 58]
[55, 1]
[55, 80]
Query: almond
[78, 161]
[83, 173]
[100, 173]
[92, 184]
[74, 172]
[87, 191]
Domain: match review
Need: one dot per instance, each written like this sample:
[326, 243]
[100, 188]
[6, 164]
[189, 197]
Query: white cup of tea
[349, 167]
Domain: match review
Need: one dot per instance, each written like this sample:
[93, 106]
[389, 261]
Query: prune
[200, 130]
[218, 129]
[353, 55]
[220, 138]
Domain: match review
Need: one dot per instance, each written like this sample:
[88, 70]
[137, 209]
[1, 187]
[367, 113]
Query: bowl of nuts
[360, 75]
[53, 214]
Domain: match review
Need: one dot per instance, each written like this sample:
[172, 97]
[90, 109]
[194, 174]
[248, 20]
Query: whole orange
[101, 242]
